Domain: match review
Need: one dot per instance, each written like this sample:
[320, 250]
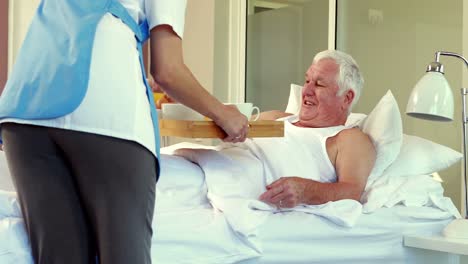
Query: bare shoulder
[273, 115]
[354, 137]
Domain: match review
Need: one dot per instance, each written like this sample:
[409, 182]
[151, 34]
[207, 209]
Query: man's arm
[354, 162]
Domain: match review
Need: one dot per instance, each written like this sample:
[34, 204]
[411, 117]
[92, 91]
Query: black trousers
[82, 195]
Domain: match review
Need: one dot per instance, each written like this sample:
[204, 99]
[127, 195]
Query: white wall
[198, 41]
[221, 50]
[22, 12]
[314, 32]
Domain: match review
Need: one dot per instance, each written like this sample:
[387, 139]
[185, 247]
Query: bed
[203, 216]
[194, 232]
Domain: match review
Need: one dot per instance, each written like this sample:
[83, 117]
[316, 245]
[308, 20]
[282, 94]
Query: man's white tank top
[302, 152]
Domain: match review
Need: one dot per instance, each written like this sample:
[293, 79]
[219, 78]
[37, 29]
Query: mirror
[282, 39]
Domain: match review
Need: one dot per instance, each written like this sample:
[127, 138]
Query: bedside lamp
[432, 99]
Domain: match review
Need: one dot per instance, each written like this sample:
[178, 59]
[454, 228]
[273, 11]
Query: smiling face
[321, 106]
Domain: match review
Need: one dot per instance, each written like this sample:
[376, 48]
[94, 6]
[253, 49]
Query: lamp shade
[431, 98]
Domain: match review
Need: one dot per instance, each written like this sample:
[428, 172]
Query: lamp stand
[458, 228]
[432, 99]
[464, 92]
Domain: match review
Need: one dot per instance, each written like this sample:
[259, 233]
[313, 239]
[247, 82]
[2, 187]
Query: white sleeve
[166, 12]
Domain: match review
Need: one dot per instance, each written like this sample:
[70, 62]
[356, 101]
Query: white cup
[180, 112]
[247, 109]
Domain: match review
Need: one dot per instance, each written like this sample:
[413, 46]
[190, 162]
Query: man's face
[321, 106]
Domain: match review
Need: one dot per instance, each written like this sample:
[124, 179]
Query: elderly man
[319, 159]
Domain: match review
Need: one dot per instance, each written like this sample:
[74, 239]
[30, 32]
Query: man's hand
[287, 192]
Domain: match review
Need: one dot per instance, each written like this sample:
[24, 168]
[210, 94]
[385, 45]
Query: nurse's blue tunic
[51, 73]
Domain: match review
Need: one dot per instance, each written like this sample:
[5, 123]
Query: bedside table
[455, 251]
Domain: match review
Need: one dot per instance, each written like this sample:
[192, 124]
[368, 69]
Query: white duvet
[235, 179]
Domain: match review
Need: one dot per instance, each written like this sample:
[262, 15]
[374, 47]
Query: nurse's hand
[234, 124]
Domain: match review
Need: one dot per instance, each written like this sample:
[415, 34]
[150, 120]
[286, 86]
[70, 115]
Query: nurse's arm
[175, 78]
[170, 72]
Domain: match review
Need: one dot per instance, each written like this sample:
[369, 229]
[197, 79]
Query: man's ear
[348, 97]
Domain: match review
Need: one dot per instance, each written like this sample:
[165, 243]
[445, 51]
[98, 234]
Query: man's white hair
[349, 76]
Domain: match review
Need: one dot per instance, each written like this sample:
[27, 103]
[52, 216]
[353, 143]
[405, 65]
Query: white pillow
[295, 99]
[354, 119]
[419, 156]
[6, 183]
[14, 245]
[384, 127]
[181, 185]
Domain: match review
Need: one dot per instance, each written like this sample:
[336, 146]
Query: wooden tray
[208, 129]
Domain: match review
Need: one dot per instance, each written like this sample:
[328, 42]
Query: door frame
[11, 5]
[4, 17]
[237, 50]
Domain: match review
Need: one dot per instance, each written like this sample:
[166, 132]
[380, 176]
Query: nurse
[80, 130]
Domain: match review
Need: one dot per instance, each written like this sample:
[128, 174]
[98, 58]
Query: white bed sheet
[6, 183]
[196, 233]
[204, 236]
[376, 238]
[296, 237]
[192, 236]
[197, 236]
